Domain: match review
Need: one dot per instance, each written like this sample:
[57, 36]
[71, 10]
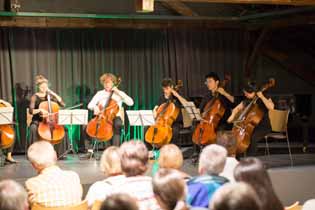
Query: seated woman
[253, 172]
[170, 189]
[119, 201]
[110, 166]
[171, 157]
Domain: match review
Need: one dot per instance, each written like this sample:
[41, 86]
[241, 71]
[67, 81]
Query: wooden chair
[279, 121]
[97, 205]
[82, 206]
[294, 206]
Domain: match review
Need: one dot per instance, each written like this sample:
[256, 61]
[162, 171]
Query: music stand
[6, 118]
[192, 111]
[72, 117]
[141, 118]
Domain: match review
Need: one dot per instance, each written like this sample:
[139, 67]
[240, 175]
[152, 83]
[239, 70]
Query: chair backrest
[97, 205]
[82, 206]
[187, 121]
[278, 120]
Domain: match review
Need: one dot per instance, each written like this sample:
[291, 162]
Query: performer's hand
[259, 94]
[174, 92]
[115, 89]
[96, 110]
[43, 112]
[221, 91]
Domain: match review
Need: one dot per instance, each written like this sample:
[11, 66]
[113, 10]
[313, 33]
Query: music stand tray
[72, 117]
[141, 118]
[6, 115]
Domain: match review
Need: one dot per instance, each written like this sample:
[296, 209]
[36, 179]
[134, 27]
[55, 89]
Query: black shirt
[228, 105]
[175, 100]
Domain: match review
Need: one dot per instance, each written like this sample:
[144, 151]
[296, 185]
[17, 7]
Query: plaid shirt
[54, 187]
[139, 187]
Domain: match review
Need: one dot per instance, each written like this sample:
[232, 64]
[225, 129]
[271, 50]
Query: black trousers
[60, 148]
[86, 141]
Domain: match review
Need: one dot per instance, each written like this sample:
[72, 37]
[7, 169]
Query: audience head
[252, 171]
[170, 157]
[42, 155]
[169, 189]
[110, 161]
[309, 205]
[119, 202]
[12, 196]
[134, 158]
[212, 160]
[235, 196]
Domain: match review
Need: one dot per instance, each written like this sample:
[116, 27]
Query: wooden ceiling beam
[179, 7]
[276, 2]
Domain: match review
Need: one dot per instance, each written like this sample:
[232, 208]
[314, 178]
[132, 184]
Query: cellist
[100, 99]
[170, 94]
[265, 103]
[40, 96]
[9, 159]
[212, 82]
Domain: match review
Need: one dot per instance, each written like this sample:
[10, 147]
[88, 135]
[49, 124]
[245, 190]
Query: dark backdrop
[73, 60]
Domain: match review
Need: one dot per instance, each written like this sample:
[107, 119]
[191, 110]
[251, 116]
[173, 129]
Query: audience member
[119, 201]
[309, 205]
[12, 196]
[252, 171]
[110, 166]
[211, 163]
[235, 196]
[134, 160]
[52, 187]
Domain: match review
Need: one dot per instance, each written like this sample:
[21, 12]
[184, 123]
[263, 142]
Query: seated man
[12, 196]
[211, 163]
[52, 187]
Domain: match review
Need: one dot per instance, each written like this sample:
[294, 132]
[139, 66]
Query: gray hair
[309, 205]
[12, 196]
[42, 154]
[212, 159]
[110, 161]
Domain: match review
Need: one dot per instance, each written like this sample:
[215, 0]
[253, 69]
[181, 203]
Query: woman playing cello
[34, 108]
[9, 158]
[264, 104]
[101, 99]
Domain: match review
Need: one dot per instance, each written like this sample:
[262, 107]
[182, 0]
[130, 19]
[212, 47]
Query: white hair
[12, 196]
[212, 159]
[309, 205]
[42, 154]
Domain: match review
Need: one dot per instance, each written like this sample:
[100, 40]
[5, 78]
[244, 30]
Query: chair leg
[289, 148]
[267, 146]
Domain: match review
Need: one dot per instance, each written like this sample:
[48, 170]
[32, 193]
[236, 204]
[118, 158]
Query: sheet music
[6, 115]
[140, 117]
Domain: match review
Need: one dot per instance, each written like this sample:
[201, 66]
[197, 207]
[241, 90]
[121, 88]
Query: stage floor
[291, 183]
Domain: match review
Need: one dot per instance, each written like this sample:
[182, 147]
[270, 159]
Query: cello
[205, 132]
[7, 134]
[49, 129]
[247, 120]
[161, 133]
[101, 126]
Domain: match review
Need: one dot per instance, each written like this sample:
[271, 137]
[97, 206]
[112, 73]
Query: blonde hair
[42, 154]
[106, 76]
[110, 161]
[170, 157]
[134, 158]
[39, 79]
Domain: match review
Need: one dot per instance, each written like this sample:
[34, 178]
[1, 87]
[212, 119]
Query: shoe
[10, 161]
[86, 156]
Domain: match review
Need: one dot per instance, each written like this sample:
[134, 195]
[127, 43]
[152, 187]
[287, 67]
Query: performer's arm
[226, 94]
[32, 109]
[93, 105]
[58, 98]
[235, 111]
[126, 99]
[268, 102]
